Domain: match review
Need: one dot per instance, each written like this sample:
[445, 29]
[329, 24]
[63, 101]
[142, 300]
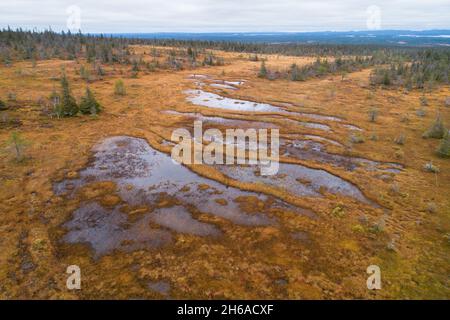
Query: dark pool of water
[212, 100]
[297, 180]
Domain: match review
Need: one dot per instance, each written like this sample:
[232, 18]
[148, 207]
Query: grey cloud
[225, 15]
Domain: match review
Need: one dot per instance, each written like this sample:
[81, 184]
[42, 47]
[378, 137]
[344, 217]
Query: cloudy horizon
[139, 16]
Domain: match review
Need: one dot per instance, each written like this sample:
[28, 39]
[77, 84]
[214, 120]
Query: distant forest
[414, 67]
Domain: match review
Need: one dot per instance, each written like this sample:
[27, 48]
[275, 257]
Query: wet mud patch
[180, 220]
[161, 287]
[302, 237]
[240, 123]
[106, 230]
[315, 151]
[142, 177]
[235, 123]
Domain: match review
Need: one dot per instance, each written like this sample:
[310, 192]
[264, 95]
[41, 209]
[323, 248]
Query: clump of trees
[18, 45]
[425, 69]
[34, 45]
[65, 104]
[174, 63]
[211, 60]
[320, 67]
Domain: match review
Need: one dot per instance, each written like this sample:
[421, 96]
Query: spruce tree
[386, 79]
[263, 70]
[89, 104]
[68, 104]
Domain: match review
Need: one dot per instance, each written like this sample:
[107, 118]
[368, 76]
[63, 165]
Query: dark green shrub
[437, 129]
[88, 104]
[84, 73]
[295, 73]
[17, 144]
[443, 149]
[119, 88]
[262, 70]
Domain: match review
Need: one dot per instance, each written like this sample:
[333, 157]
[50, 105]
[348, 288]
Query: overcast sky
[225, 15]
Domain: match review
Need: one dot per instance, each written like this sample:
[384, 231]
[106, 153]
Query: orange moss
[247, 262]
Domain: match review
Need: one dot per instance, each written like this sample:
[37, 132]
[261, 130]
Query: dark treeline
[410, 66]
[294, 49]
[49, 44]
[423, 71]
[29, 45]
[381, 54]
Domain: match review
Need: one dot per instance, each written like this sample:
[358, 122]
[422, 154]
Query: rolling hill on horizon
[378, 37]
